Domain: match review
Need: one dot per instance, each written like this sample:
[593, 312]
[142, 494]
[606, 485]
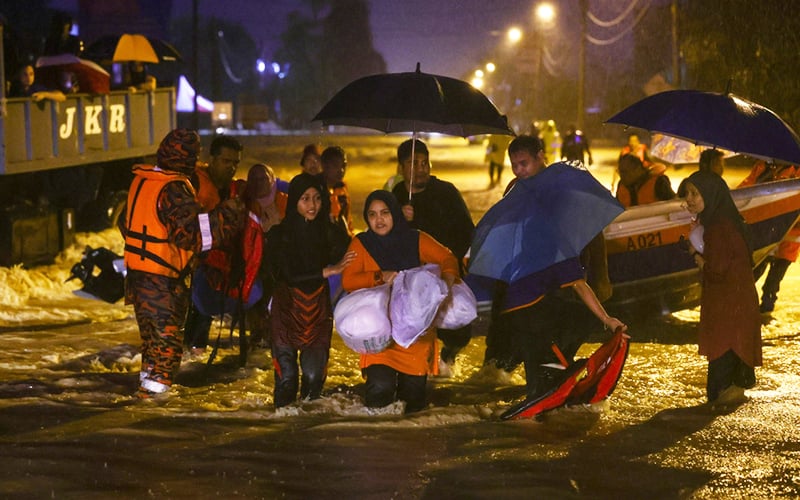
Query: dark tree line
[323, 52]
[753, 43]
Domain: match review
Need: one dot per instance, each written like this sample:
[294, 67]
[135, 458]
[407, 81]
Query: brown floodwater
[70, 428]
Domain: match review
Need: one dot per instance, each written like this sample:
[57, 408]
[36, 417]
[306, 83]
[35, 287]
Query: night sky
[447, 37]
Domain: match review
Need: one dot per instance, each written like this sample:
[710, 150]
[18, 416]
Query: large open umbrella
[91, 78]
[414, 102]
[718, 120]
[131, 47]
[543, 220]
[679, 151]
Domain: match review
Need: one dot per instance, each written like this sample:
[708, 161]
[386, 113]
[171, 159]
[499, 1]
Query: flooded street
[70, 428]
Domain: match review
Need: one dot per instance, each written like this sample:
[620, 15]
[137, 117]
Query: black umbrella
[718, 120]
[131, 47]
[414, 102]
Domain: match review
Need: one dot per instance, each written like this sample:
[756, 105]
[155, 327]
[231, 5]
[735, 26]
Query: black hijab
[718, 203]
[397, 250]
[306, 248]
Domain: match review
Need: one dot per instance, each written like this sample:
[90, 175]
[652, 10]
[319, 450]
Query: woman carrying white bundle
[389, 246]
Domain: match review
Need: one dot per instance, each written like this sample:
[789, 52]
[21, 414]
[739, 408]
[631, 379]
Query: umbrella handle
[413, 156]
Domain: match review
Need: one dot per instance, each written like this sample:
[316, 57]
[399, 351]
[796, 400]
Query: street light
[545, 14]
[544, 18]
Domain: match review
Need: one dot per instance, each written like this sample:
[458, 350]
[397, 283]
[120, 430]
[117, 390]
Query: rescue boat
[648, 266]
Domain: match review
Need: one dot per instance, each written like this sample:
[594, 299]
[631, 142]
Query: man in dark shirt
[436, 207]
[576, 146]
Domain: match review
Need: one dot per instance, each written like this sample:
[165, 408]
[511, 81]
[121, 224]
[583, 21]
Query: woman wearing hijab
[730, 323]
[302, 252]
[266, 207]
[389, 246]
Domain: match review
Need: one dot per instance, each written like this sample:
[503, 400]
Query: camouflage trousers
[160, 305]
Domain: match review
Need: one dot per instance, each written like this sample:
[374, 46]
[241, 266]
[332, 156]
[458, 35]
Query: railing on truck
[84, 129]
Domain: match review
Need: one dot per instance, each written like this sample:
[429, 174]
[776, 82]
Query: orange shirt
[421, 357]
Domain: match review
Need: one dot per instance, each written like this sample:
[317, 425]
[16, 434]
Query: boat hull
[650, 270]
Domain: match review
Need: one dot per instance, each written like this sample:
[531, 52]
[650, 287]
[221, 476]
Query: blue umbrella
[543, 220]
[717, 120]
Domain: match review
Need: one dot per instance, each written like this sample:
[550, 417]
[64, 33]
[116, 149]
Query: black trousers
[531, 332]
[552, 320]
[727, 370]
[385, 385]
[313, 363]
[197, 328]
[453, 341]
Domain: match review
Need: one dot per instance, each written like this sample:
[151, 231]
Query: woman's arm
[433, 252]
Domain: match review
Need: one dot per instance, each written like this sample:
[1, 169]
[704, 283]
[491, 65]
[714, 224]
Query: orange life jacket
[147, 244]
[789, 247]
[645, 194]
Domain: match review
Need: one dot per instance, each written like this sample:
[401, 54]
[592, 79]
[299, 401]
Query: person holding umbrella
[531, 315]
[436, 207]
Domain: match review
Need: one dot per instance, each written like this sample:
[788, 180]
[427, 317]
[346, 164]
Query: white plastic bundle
[416, 296]
[460, 310]
[696, 237]
[362, 319]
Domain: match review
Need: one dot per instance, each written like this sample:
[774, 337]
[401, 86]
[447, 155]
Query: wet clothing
[729, 315]
[726, 369]
[216, 263]
[302, 316]
[160, 304]
[419, 358]
[440, 211]
[385, 385]
[158, 292]
[531, 316]
[396, 379]
[648, 189]
[147, 239]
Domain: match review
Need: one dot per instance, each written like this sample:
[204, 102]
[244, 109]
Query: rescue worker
[639, 185]
[788, 249]
[164, 226]
[214, 184]
[334, 166]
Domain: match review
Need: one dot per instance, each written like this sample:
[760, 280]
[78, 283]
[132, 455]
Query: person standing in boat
[730, 323]
[711, 160]
[639, 185]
